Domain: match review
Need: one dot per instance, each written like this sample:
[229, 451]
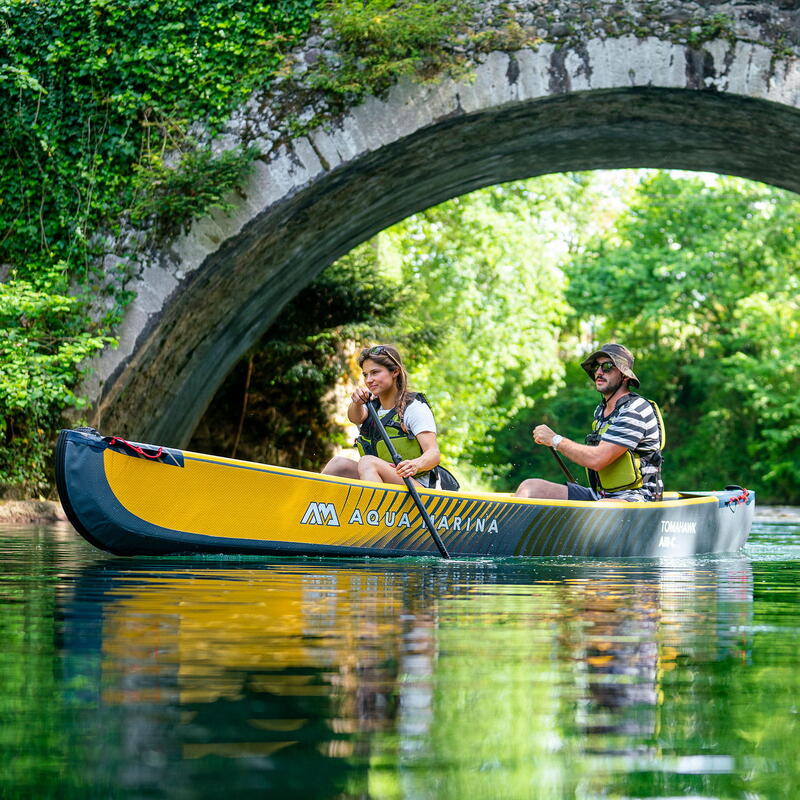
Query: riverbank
[777, 513]
[20, 512]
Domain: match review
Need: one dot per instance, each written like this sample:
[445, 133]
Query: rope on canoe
[135, 447]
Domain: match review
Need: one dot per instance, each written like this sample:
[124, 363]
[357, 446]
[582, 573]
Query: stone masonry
[554, 86]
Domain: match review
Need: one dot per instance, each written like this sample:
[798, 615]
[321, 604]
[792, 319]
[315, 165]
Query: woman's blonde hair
[389, 357]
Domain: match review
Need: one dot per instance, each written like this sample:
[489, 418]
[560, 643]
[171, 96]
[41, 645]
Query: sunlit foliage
[699, 277]
[498, 295]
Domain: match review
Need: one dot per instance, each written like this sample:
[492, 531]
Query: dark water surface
[283, 678]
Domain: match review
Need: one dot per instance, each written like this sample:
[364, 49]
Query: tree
[488, 305]
[700, 279]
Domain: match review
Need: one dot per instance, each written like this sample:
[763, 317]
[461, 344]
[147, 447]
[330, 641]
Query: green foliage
[487, 314]
[717, 26]
[565, 406]
[487, 305]
[92, 90]
[168, 198]
[700, 279]
[42, 345]
[93, 95]
[383, 40]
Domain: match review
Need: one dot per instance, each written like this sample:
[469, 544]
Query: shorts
[577, 492]
[427, 480]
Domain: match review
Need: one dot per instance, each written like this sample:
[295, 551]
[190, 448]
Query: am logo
[320, 514]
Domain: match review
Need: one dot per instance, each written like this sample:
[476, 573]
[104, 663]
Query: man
[623, 453]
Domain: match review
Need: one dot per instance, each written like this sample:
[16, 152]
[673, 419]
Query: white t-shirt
[417, 418]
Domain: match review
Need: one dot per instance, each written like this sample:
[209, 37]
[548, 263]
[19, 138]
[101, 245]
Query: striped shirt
[634, 426]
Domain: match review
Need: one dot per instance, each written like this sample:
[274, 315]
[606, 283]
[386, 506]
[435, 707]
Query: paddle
[563, 466]
[412, 490]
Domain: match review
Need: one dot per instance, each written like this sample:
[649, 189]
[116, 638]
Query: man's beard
[611, 388]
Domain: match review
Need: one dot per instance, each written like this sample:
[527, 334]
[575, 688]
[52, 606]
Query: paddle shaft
[563, 466]
[412, 490]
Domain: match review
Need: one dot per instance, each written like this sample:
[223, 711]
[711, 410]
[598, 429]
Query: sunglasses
[606, 366]
[378, 350]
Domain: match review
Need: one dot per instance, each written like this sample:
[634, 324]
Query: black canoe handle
[412, 490]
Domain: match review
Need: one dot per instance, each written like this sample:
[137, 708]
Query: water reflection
[395, 679]
[400, 679]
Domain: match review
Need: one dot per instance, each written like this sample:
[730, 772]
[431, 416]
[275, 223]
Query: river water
[413, 678]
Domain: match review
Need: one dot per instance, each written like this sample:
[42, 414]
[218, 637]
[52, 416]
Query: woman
[405, 415]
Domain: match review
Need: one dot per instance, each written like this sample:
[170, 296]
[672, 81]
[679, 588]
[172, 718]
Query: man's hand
[543, 435]
[595, 458]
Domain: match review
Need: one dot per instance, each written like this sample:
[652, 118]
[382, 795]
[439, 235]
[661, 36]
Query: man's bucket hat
[620, 356]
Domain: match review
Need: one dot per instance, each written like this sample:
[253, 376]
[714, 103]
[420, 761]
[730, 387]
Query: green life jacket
[626, 472]
[370, 442]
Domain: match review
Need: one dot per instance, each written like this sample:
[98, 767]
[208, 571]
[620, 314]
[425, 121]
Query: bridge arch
[728, 107]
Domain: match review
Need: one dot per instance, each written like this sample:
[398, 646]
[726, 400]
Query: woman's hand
[357, 411]
[360, 396]
[409, 468]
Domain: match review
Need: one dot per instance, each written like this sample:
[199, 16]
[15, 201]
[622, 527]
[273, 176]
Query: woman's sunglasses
[378, 350]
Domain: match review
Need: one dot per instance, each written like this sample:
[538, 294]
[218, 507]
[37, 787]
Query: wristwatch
[556, 441]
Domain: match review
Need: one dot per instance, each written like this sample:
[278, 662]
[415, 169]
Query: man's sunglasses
[606, 366]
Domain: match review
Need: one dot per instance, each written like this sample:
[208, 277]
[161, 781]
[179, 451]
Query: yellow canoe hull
[131, 499]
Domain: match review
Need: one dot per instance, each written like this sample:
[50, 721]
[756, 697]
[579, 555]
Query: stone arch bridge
[598, 99]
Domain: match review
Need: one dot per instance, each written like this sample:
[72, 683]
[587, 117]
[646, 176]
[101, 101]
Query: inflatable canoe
[136, 499]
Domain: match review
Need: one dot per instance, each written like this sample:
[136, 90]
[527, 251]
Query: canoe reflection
[333, 676]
